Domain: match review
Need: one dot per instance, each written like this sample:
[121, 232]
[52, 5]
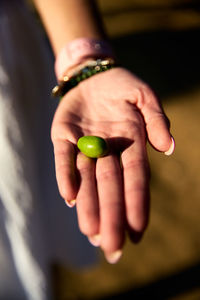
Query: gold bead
[55, 90]
[65, 78]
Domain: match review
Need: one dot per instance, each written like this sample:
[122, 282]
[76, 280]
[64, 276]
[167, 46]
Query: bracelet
[74, 52]
[91, 68]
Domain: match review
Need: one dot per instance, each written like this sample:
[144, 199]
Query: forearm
[65, 20]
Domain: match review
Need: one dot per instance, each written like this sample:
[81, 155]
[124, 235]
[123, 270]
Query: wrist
[78, 51]
[80, 73]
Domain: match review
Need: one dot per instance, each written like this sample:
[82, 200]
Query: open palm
[112, 192]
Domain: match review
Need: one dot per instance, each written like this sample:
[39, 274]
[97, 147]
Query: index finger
[65, 166]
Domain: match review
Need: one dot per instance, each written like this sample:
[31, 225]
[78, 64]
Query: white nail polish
[70, 203]
[95, 240]
[113, 257]
[171, 148]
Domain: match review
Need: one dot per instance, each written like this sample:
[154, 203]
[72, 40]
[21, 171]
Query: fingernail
[95, 240]
[113, 257]
[70, 203]
[171, 148]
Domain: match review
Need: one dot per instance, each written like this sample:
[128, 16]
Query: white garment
[36, 227]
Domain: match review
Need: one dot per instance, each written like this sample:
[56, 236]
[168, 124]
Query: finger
[136, 187]
[111, 202]
[157, 123]
[66, 170]
[87, 200]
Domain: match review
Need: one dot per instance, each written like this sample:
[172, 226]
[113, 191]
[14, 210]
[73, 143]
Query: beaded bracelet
[91, 68]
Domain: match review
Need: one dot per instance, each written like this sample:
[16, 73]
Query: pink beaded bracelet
[74, 52]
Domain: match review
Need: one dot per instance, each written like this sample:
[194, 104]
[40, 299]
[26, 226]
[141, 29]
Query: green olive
[92, 146]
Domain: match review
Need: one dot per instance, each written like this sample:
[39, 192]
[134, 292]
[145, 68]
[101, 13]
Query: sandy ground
[166, 264]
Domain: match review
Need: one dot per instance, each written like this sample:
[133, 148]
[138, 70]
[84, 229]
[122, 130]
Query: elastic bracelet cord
[91, 68]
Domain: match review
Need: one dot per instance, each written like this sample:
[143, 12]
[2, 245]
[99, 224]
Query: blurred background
[159, 41]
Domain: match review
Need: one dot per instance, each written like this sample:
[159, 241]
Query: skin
[71, 19]
[110, 197]
[112, 193]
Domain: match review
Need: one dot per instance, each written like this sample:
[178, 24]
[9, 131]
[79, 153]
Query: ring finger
[111, 205]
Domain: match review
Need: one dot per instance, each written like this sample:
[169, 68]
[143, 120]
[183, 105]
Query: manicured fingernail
[95, 240]
[171, 148]
[70, 203]
[113, 257]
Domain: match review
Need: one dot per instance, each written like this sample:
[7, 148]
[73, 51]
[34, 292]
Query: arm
[111, 195]
[66, 20]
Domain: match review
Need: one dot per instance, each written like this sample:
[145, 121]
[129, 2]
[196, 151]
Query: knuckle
[147, 90]
[106, 175]
[86, 172]
[84, 164]
[135, 163]
[140, 96]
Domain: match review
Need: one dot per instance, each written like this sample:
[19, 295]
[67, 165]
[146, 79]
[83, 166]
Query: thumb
[157, 123]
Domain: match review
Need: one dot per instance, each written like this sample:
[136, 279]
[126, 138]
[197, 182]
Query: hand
[112, 192]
